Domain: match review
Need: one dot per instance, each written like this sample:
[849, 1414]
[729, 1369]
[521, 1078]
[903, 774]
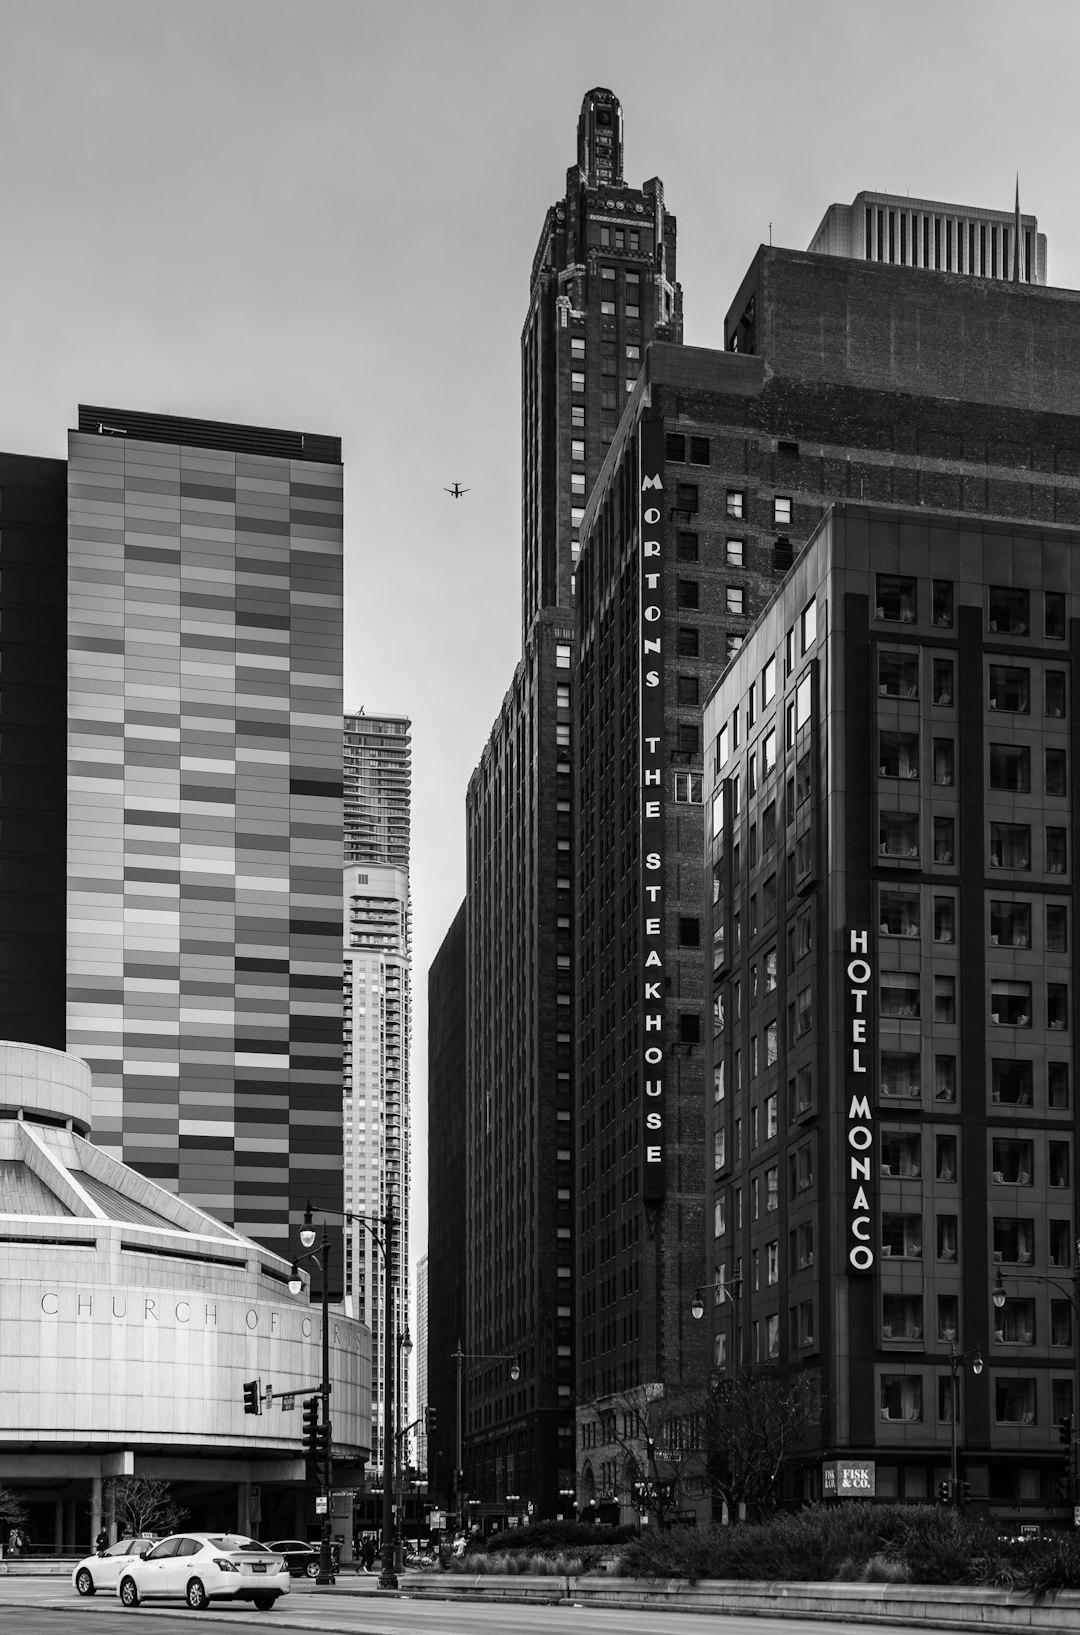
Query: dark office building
[843, 381]
[33, 765]
[891, 838]
[602, 286]
[447, 1201]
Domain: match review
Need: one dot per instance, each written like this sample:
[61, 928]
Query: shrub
[1046, 1566]
[555, 1535]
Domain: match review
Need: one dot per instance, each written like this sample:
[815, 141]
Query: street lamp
[404, 1352]
[461, 1357]
[1072, 1295]
[385, 1242]
[957, 1359]
[728, 1289]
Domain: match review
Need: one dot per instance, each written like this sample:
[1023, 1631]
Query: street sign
[320, 1504]
[288, 1401]
[849, 1479]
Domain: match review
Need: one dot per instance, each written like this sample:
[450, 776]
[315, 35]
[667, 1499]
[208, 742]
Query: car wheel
[129, 1592]
[264, 1603]
[83, 1582]
[196, 1596]
[312, 1569]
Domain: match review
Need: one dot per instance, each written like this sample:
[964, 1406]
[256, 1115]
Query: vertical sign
[860, 1130]
[652, 760]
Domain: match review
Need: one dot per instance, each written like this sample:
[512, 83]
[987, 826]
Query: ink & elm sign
[653, 794]
[860, 1130]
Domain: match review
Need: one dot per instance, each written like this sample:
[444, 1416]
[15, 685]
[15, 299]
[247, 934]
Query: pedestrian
[101, 1543]
[369, 1552]
[15, 1542]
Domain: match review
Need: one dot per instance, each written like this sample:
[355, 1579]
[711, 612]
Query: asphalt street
[51, 1607]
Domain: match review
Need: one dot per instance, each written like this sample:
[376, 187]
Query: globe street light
[957, 1359]
[724, 1289]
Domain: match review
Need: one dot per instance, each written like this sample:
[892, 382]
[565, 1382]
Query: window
[1014, 1322]
[1011, 1162]
[944, 840]
[733, 552]
[772, 1188]
[898, 754]
[901, 1236]
[804, 698]
[562, 655]
[689, 738]
[1061, 1241]
[804, 1013]
[1014, 1401]
[1010, 767]
[1055, 772]
[1059, 1164]
[804, 1323]
[699, 448]
[896, 599]
[943, 690]
[1014, 1241]
[1010, 1004]
[688, 788]
[900, 993]
[688, 689]
[809, 624]
[736, 503]
[768, 828]
[944, 999]
[1056, 855]
[942, 609]
[901, 1397]
[948, 1321]
[1057, 1085]
[734, 598]
[803, 781]
[1011, 1083]
[1010, 846]
[771, 1120]
[768, 754]
[686, 496]
[944, 1078]
[687, 547]
[633, 352]
[577, 482]
[577, 380]
[898, 674]
[686, 642]
[901, 1154]
[1057, 1006]
[577, 411]
[689, 932]
[688, 593]
[898, 834]
[901, 1317]
[945, 1166]
[944, 919]
[577, 346]
[944, 767]
[1054, 615]
[1010, 924]
[900, 1075]
[1060, 1323]
[719, 1217]
[1055, 694]
[674, 448]
[1008, 610]
[899, 912]
[804, 1090]
[719, 1148]
[768, 683]
[732, 643]
[781, 511]
[1010, 689]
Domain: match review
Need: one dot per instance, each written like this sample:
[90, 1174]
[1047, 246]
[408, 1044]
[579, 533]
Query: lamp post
[957, 1359]
[1072, 1295]
[325, 1463]
[728, 1289]
[460, 1357]
[404, 1351]
[385, 1242]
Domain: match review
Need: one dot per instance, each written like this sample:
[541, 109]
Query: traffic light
[322, 1441]
[311, 1424]
[1065, 1430]
[429, 1421]
[963, 1492]
[944, 1492]
[252, 1397]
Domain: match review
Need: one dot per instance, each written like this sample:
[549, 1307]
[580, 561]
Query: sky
[322, 216]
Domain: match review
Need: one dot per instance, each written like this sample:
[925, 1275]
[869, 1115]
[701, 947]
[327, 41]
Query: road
[51, 1607]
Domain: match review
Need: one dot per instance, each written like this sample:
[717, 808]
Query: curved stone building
[129, 1322]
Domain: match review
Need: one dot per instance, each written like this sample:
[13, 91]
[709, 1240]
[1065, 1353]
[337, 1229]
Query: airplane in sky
[456, 492]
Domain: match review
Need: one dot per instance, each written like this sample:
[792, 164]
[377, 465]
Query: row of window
[688, 549]
[900, 996]
[1009, 765]
[1015, 1400]
[762, 691]
[735, 507]
[1008, 685]
[1010, 920]
[899, 839]
[1008, 611]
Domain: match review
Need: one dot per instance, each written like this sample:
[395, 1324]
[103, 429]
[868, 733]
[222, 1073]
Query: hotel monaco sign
[654, 1039]
[861, 1131]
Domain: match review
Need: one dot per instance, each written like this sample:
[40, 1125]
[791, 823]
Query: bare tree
[144, 1504]
[755, 1421]
[658, 1436]
[12, 1507]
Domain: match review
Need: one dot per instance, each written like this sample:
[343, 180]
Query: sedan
[102, 1572]
[302, 1559]
[201, 1567]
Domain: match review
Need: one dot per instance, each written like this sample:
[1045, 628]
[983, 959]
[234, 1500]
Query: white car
[202, 1567]
[102, 1572]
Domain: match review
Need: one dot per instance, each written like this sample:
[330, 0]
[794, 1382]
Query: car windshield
[228, 1541]
[119, 1549]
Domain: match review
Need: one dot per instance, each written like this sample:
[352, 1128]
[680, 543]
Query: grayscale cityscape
[539, 797]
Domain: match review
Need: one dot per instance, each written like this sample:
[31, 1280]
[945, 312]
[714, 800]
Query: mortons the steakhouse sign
[654, 1041]
[861, 1131]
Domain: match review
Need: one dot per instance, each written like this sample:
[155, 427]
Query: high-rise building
[603, 285]
[378, 783]
[891, 771]
[378, 1029]
[689, 1026]
[378, 1021]
[906, 232]
[204, 806]
[447, 1204]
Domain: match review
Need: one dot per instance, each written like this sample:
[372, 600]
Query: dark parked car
[302, 1559]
